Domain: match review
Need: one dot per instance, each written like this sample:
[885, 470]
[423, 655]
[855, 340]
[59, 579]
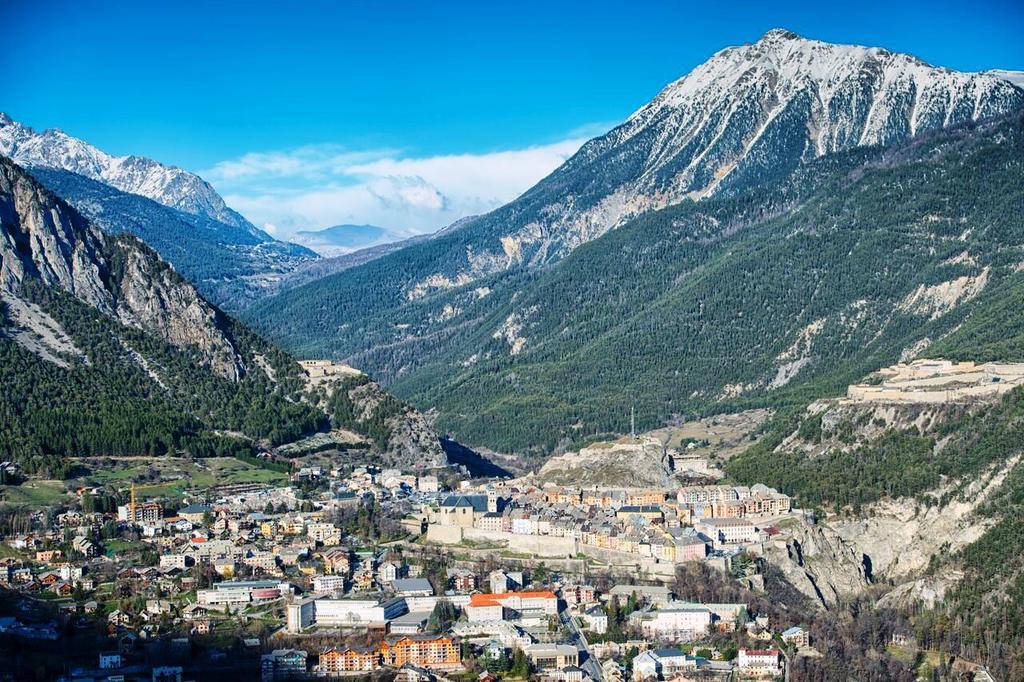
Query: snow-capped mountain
[757, 109]
[1015, 77]
[167, 185]
[748, 115]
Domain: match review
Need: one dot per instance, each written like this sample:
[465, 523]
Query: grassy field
[32, 493]
[163, 477]
[172, 476]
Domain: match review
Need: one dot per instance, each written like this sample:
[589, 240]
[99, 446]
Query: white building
[759, 662]
[677, 623]
[728, 531]
[351, 613]
[329, 583]
[243, 592]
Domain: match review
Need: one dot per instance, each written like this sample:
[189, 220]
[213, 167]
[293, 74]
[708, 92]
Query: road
[588, 663]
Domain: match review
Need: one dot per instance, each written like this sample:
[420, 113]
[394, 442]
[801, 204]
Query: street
[588, 663]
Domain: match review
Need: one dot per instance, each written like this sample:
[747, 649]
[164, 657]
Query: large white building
[727, 531]
[329, 583]
[341, 613]
[759, 662]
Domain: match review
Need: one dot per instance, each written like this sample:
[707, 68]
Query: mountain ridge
[168, 185]
[106, 349]
[735, 112]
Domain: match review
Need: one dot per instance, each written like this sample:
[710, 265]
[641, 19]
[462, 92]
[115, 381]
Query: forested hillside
[843, 468]
[772, 297]
[749, 117]
[106, 350]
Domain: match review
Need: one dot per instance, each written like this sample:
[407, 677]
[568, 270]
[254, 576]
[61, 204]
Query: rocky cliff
[46, 240]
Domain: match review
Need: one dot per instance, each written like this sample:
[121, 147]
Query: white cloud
[316, 186]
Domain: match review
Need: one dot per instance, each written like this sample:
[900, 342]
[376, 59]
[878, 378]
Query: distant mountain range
[342, 239]
[174, 211]
[462, 318]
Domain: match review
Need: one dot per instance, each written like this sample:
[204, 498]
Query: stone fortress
[939, 381]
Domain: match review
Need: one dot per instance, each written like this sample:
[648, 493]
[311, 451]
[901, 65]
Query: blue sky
[206, 84]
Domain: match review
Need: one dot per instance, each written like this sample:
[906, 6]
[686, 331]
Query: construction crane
[132, 504]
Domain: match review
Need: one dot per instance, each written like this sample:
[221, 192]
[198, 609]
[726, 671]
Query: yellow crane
[132, 504]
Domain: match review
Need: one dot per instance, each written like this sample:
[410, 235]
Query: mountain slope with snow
[749, 116]
[167, 185]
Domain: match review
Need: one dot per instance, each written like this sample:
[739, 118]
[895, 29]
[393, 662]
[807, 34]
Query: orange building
[349, 659]
[645, 497]
[427, 651]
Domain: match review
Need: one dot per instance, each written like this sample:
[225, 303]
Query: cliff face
[44, 239]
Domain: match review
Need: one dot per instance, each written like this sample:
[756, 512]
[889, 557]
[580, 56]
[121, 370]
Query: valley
[734, 392]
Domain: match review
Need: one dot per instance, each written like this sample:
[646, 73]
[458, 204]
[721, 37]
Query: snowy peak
[753, 111]
[168, 185]
[749, 116]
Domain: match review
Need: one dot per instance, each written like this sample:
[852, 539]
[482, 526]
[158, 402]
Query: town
[360, 571]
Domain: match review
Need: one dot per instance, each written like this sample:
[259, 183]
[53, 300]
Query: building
[728, 531]
[646, 511]
[345, 613]
[552, 656]
[144, 512]
[110, 660]
[243, 591]
[663, 664]
[282, 664]
[166, 673]
[462, 510]
[503, 582]
[413, 587]
[194, 513]
[329, 583]
[596, 620]
[462, 579]
[796, 636]
[511, 606]
[349, 659]
[437, 652]
[677, 623]
[174, 561]
[758, 662]
[326, 534]
[658, 595]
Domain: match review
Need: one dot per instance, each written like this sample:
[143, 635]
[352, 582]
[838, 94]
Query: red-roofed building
[758, 662]
[511, 605]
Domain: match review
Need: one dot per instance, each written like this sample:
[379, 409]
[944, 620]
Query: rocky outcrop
[44, 239]
[819, 562]
[155, 298]
[899, 536]
[629, 462]
[404, 436]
